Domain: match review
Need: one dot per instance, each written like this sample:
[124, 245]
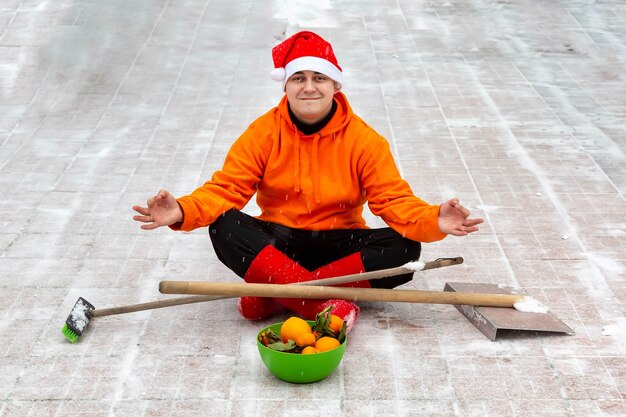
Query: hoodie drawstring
[315, 166]
[316, 174]
[296, 169]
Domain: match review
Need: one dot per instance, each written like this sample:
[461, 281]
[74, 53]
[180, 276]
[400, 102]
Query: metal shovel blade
[490, 320]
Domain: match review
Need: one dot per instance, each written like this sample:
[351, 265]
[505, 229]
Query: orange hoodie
[316, 182]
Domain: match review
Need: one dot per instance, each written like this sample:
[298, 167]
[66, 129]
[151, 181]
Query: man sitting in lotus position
[312, 164]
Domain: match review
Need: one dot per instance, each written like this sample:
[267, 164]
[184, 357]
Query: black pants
[238, 238]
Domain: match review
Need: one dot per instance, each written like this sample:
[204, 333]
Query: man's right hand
[162, 210]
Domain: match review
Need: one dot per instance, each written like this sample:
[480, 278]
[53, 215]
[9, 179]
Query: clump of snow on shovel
[612, 330]
[618, 329]
[414, 266]
[529, 305]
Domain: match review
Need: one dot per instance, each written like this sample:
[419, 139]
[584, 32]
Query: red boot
[349, 265]
[258, 308]
[272, 266]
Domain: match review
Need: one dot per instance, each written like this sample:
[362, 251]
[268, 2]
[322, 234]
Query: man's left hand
[454, 219]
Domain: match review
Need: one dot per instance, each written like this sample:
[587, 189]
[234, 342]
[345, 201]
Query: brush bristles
[69, 334]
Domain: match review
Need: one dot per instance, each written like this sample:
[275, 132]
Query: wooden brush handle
[322, 293]
[151, 305]
[382, 273]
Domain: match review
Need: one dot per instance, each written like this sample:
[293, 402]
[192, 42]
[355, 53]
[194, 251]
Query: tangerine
[326, 343]
[336, 323]
[292, 328]
[309, 350]
[305, 339]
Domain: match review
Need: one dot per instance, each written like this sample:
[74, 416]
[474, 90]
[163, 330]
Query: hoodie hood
[342, 116]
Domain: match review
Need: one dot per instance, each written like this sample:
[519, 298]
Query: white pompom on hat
[278, 74]
[304, 51]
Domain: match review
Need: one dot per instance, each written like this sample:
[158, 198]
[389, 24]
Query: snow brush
[83, 311]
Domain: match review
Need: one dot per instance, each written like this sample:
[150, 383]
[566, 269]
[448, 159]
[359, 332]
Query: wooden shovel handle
[383, 273]
[322, 293]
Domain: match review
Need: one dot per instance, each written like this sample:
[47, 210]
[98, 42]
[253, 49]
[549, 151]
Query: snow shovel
[523, 310]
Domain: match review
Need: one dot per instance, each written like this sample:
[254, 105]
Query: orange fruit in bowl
[309, 350]
[293, 328]
[305, 339]
[336, 323]
[326, 343]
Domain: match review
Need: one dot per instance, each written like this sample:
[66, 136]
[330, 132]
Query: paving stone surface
[518, 108]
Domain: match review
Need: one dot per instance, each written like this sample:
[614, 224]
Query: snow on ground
[517, 108]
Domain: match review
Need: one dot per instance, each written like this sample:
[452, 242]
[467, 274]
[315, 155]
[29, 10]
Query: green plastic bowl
[298, 368]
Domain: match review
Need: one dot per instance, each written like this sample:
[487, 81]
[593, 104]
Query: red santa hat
[305, 51]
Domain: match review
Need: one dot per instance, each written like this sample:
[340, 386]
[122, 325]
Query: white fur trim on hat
[312, 63]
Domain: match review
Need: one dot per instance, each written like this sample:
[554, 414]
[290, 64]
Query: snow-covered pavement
[518, 108]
